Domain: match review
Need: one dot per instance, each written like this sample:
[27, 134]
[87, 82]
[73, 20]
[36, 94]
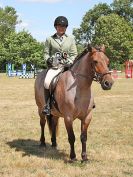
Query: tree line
[17, 48]
[111, 25]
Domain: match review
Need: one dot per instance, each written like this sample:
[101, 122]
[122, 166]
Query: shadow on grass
[31, 147]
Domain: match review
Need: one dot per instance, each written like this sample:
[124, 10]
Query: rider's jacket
[64, 44]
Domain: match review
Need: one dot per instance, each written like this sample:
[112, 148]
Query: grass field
[110, 135]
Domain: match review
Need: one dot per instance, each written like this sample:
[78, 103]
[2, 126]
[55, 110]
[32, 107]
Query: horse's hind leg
[54, 131]
[53, 126]
[42, 124]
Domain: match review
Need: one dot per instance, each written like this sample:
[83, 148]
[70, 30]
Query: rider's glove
[64, 55]
[67, 66]
[50, 62]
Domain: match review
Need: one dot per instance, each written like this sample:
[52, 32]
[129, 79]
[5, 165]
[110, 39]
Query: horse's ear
[89, 47]
[103, 47]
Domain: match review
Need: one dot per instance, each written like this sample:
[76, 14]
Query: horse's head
[99, 62]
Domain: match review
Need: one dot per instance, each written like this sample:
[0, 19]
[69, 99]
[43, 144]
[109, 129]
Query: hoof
[54, 145]
[42, 145]
[72, 160]
[84, 160]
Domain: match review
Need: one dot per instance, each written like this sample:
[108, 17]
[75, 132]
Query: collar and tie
[60, 38]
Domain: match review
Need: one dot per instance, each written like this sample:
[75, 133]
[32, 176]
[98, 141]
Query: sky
[38, 15]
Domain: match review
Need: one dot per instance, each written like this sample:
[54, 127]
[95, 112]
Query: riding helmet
[62, 21]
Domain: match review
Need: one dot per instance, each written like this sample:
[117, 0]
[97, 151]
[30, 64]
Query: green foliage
[110, 25]
[8, 20]
[116, 34]
[19, 47]
[123, 8]
[87, 28]
[23, 48]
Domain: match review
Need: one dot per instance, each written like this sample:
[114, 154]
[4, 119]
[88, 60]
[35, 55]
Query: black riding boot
[46, 109]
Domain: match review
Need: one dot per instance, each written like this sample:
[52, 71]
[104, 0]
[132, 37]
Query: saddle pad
[49, 76]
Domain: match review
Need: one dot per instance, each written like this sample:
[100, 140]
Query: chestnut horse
[73, 95]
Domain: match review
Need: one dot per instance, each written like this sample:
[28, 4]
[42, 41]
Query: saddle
[52, 88]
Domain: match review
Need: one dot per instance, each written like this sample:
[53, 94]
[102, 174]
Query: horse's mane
[85, 51]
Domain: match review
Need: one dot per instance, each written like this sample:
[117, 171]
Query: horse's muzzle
[106, 85]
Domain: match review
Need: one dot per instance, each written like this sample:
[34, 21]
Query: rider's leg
[46, 109]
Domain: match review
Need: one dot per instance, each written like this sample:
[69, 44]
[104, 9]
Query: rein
[97, 76]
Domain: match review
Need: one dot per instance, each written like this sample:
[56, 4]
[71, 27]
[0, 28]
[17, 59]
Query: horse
[73, 95]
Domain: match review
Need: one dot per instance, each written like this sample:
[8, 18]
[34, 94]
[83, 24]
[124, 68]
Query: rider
[58, 46]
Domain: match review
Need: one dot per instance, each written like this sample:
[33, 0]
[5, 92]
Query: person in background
[60, 52]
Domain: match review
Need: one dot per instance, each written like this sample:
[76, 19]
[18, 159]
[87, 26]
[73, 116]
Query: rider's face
[60, 30]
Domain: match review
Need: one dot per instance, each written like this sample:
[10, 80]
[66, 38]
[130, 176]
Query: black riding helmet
[62, 21]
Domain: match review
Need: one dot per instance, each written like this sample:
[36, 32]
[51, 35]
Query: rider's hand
[64, 55]
[67, 66]
[50, 62]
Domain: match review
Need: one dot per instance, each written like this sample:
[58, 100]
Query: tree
[87, 28]
[23, 48]
[3, 56]
[100, 26]
[8, 20]
[116, 34]
[84, 34]
[19, 47]
[124, 8]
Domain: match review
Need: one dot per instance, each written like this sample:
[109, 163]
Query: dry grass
[110, 135]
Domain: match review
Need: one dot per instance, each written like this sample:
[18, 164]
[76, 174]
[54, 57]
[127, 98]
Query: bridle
[98, 77]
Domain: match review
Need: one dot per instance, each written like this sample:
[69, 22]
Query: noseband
[98, 77]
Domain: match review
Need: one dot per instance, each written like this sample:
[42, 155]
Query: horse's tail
[52, 124]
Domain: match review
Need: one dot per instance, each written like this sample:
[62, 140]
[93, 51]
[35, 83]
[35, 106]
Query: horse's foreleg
[71, 136]
[84, 126]
[42, 124]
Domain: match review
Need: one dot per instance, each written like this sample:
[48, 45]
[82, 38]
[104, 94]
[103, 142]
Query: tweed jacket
[53, 45]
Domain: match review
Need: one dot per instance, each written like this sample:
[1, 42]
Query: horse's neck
[83, 70]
